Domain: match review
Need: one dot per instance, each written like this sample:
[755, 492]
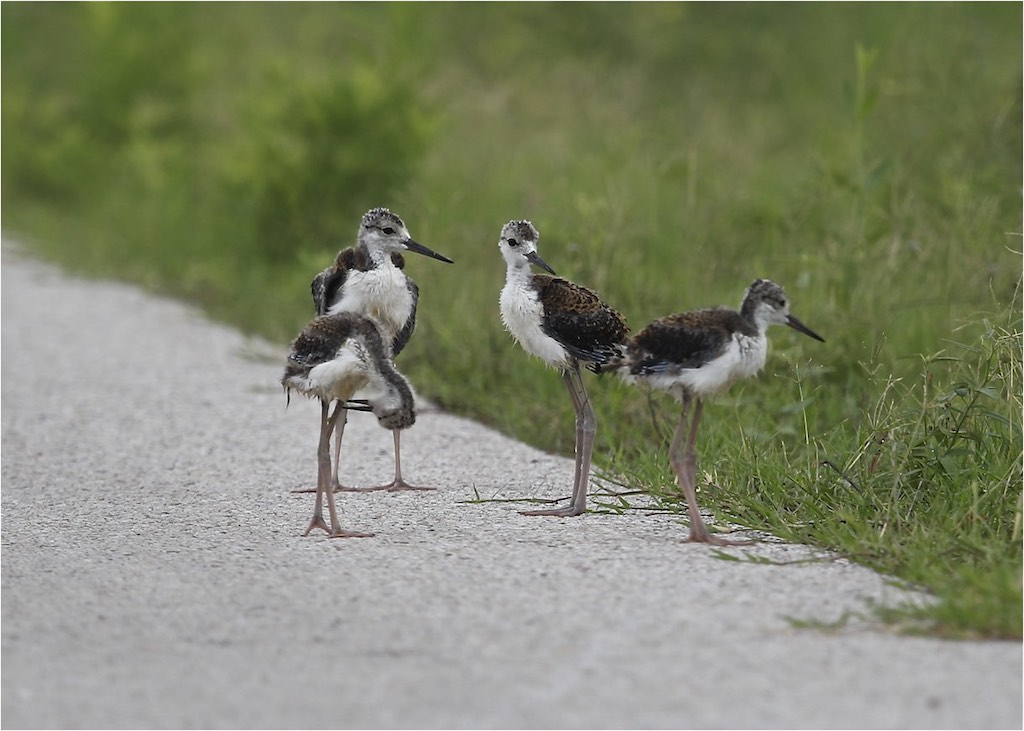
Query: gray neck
[378, 256]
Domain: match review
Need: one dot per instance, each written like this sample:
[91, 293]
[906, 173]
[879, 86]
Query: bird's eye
[388, 230]
[513, 242]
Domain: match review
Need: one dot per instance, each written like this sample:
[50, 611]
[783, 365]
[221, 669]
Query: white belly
[338, 378]
[522, 314]
[743, 357]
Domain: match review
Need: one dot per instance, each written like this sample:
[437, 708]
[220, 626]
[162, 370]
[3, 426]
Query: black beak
[800, 327]
[534, 257]
[421, 249]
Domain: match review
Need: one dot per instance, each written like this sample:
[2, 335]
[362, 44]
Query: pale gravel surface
[154, 576]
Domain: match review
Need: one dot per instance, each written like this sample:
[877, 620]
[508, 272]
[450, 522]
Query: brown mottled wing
[686, 340]
[326, 285]
[319, 342]
[586, 327]
[403, 335]
[318, 288]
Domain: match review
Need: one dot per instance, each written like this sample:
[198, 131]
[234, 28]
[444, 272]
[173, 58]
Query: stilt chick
[332, 358]
[369, 279]
[695, 355]
[564, 325]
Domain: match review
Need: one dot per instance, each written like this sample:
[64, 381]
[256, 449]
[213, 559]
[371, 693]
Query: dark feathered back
[686, 340]
[321, 339]
[575, 316]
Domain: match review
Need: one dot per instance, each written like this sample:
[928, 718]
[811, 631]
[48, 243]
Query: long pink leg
[685, 467]
[338, 434]
[324, 480]
[586, 433]
[317, 521]
[398, 483]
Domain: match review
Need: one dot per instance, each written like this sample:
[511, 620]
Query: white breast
[753, 353]
[522, 314]
[379, 293]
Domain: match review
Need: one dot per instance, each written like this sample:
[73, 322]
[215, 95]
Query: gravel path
[154, 574]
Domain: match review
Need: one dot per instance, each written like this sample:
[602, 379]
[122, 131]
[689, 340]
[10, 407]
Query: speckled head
[399, 418]
[518, 244]
[765, 290]
[765, 303]
[381, 218]
[520, 231]
[383, 231]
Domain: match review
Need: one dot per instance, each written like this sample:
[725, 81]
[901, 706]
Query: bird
[697, 354]
[369, 279]
[333, 357]
[564, 325]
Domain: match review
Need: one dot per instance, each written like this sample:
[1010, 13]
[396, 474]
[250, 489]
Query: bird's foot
[569, 511]
[394, 486]
[337, 487]
[350, 534]
[317, 521]
[400, 484]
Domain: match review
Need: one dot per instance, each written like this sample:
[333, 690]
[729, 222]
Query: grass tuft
[926, 487]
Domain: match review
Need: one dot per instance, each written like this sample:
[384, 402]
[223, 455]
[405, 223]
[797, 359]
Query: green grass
[866, 156]
[926, 486]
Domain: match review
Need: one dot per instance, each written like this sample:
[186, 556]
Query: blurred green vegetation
[866, 156]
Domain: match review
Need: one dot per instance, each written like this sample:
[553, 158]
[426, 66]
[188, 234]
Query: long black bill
[800, 327]
[421, 249]
[534, 257]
